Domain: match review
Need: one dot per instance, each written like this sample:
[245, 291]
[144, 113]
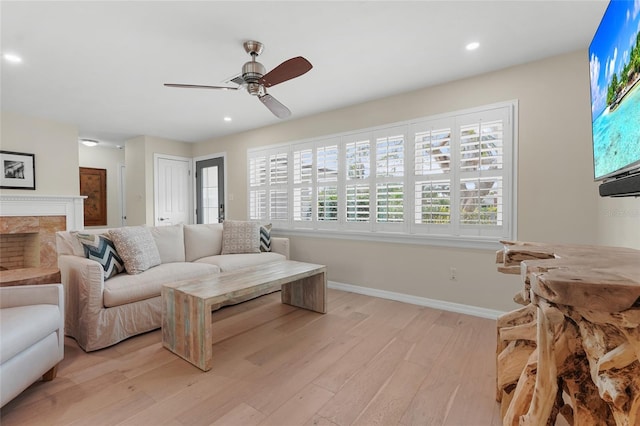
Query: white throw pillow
[170, 242]
[202, 240]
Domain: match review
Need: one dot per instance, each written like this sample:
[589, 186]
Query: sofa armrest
[43, 294]
[280, 245]
[83, 282]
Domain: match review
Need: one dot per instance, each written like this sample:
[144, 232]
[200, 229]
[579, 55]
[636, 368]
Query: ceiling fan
[256, 80]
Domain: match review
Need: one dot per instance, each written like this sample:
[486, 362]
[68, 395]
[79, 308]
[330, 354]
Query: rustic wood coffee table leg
[186, 328]
[308, 293]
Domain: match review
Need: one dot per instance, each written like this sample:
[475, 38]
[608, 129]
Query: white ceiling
[101, 65]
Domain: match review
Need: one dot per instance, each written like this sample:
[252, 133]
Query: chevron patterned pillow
[101, 249]
[265, 237]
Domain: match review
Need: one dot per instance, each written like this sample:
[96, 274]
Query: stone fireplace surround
[32, 220]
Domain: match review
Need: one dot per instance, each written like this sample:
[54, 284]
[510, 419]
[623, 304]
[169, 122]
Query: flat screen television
[614, 61]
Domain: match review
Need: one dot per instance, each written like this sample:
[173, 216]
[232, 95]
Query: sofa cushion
[23, 326]
[265, 237]
[123, 288]
[202, 240]
[170, 242]
[136, 247]
[101, 249]
[231, 262]
[239, 236]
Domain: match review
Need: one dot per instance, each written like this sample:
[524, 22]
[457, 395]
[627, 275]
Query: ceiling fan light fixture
[255, 79]
[227, 119]
[89, 142]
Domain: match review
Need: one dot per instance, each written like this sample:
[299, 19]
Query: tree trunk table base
[573, 349]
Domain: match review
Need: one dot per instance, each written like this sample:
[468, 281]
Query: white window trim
[408, 232]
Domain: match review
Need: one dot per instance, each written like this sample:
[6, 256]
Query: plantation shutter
[433, 175]
[258, 187]
[482, 174]
[389, 187]
[444, 178]
[278, 192]
[327, 181]
[303, 211]
[358, 193]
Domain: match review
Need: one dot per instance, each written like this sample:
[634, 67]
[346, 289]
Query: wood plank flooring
[368, 361]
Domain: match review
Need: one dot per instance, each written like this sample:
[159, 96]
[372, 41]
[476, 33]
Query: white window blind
[257, 187]
[432, 175]
[302, 184]
[389, 181]
[447, 177]
[358, 193]
[327, 180]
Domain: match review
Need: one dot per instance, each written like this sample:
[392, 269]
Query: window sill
[396, 237]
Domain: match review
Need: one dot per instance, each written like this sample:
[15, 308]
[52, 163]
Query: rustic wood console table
[573, 349]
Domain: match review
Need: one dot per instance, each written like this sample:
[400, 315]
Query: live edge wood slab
[573, 349]
[187, 305]
[29, 276]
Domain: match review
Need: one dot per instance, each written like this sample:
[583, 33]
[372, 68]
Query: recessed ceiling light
[89, 142]
[473, 46]
[227, 119]
[13, 58]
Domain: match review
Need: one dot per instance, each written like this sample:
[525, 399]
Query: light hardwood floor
[368, 361]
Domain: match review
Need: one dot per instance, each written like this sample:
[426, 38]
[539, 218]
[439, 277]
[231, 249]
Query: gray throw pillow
[240, 237]
[136, 247]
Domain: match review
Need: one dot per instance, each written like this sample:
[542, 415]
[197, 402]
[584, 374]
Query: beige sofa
[31, 336]
[101, 313]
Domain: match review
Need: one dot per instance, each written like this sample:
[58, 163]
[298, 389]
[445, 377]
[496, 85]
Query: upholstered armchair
[31, 336]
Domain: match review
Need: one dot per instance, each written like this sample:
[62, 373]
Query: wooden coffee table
[187, 305]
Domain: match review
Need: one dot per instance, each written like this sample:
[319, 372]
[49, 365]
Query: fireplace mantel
[45, 205]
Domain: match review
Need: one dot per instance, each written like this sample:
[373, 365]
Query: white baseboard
[416, 300]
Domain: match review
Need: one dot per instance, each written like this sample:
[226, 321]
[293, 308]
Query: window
[445, 178]
[302, 185]
[327, 181]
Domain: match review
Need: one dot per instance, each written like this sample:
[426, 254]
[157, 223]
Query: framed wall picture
[18, 170]
[93, 184]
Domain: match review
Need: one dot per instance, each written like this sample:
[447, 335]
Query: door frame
[122, 175]
[222, 155]
[156, 158]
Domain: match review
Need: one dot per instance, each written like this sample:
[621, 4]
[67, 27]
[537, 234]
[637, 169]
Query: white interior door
[173, 189]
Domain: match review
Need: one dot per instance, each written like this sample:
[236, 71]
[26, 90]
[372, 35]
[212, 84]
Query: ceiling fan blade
[287, 70]
[197, 86]
[275, 106]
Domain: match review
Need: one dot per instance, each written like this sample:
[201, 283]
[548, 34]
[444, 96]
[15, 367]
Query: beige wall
[110, 159]
[139, 154]
[136, 192]
[55, 146]
[557, 199]
[619, 222]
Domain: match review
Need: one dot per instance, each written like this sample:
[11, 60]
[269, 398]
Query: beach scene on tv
[615, 88]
